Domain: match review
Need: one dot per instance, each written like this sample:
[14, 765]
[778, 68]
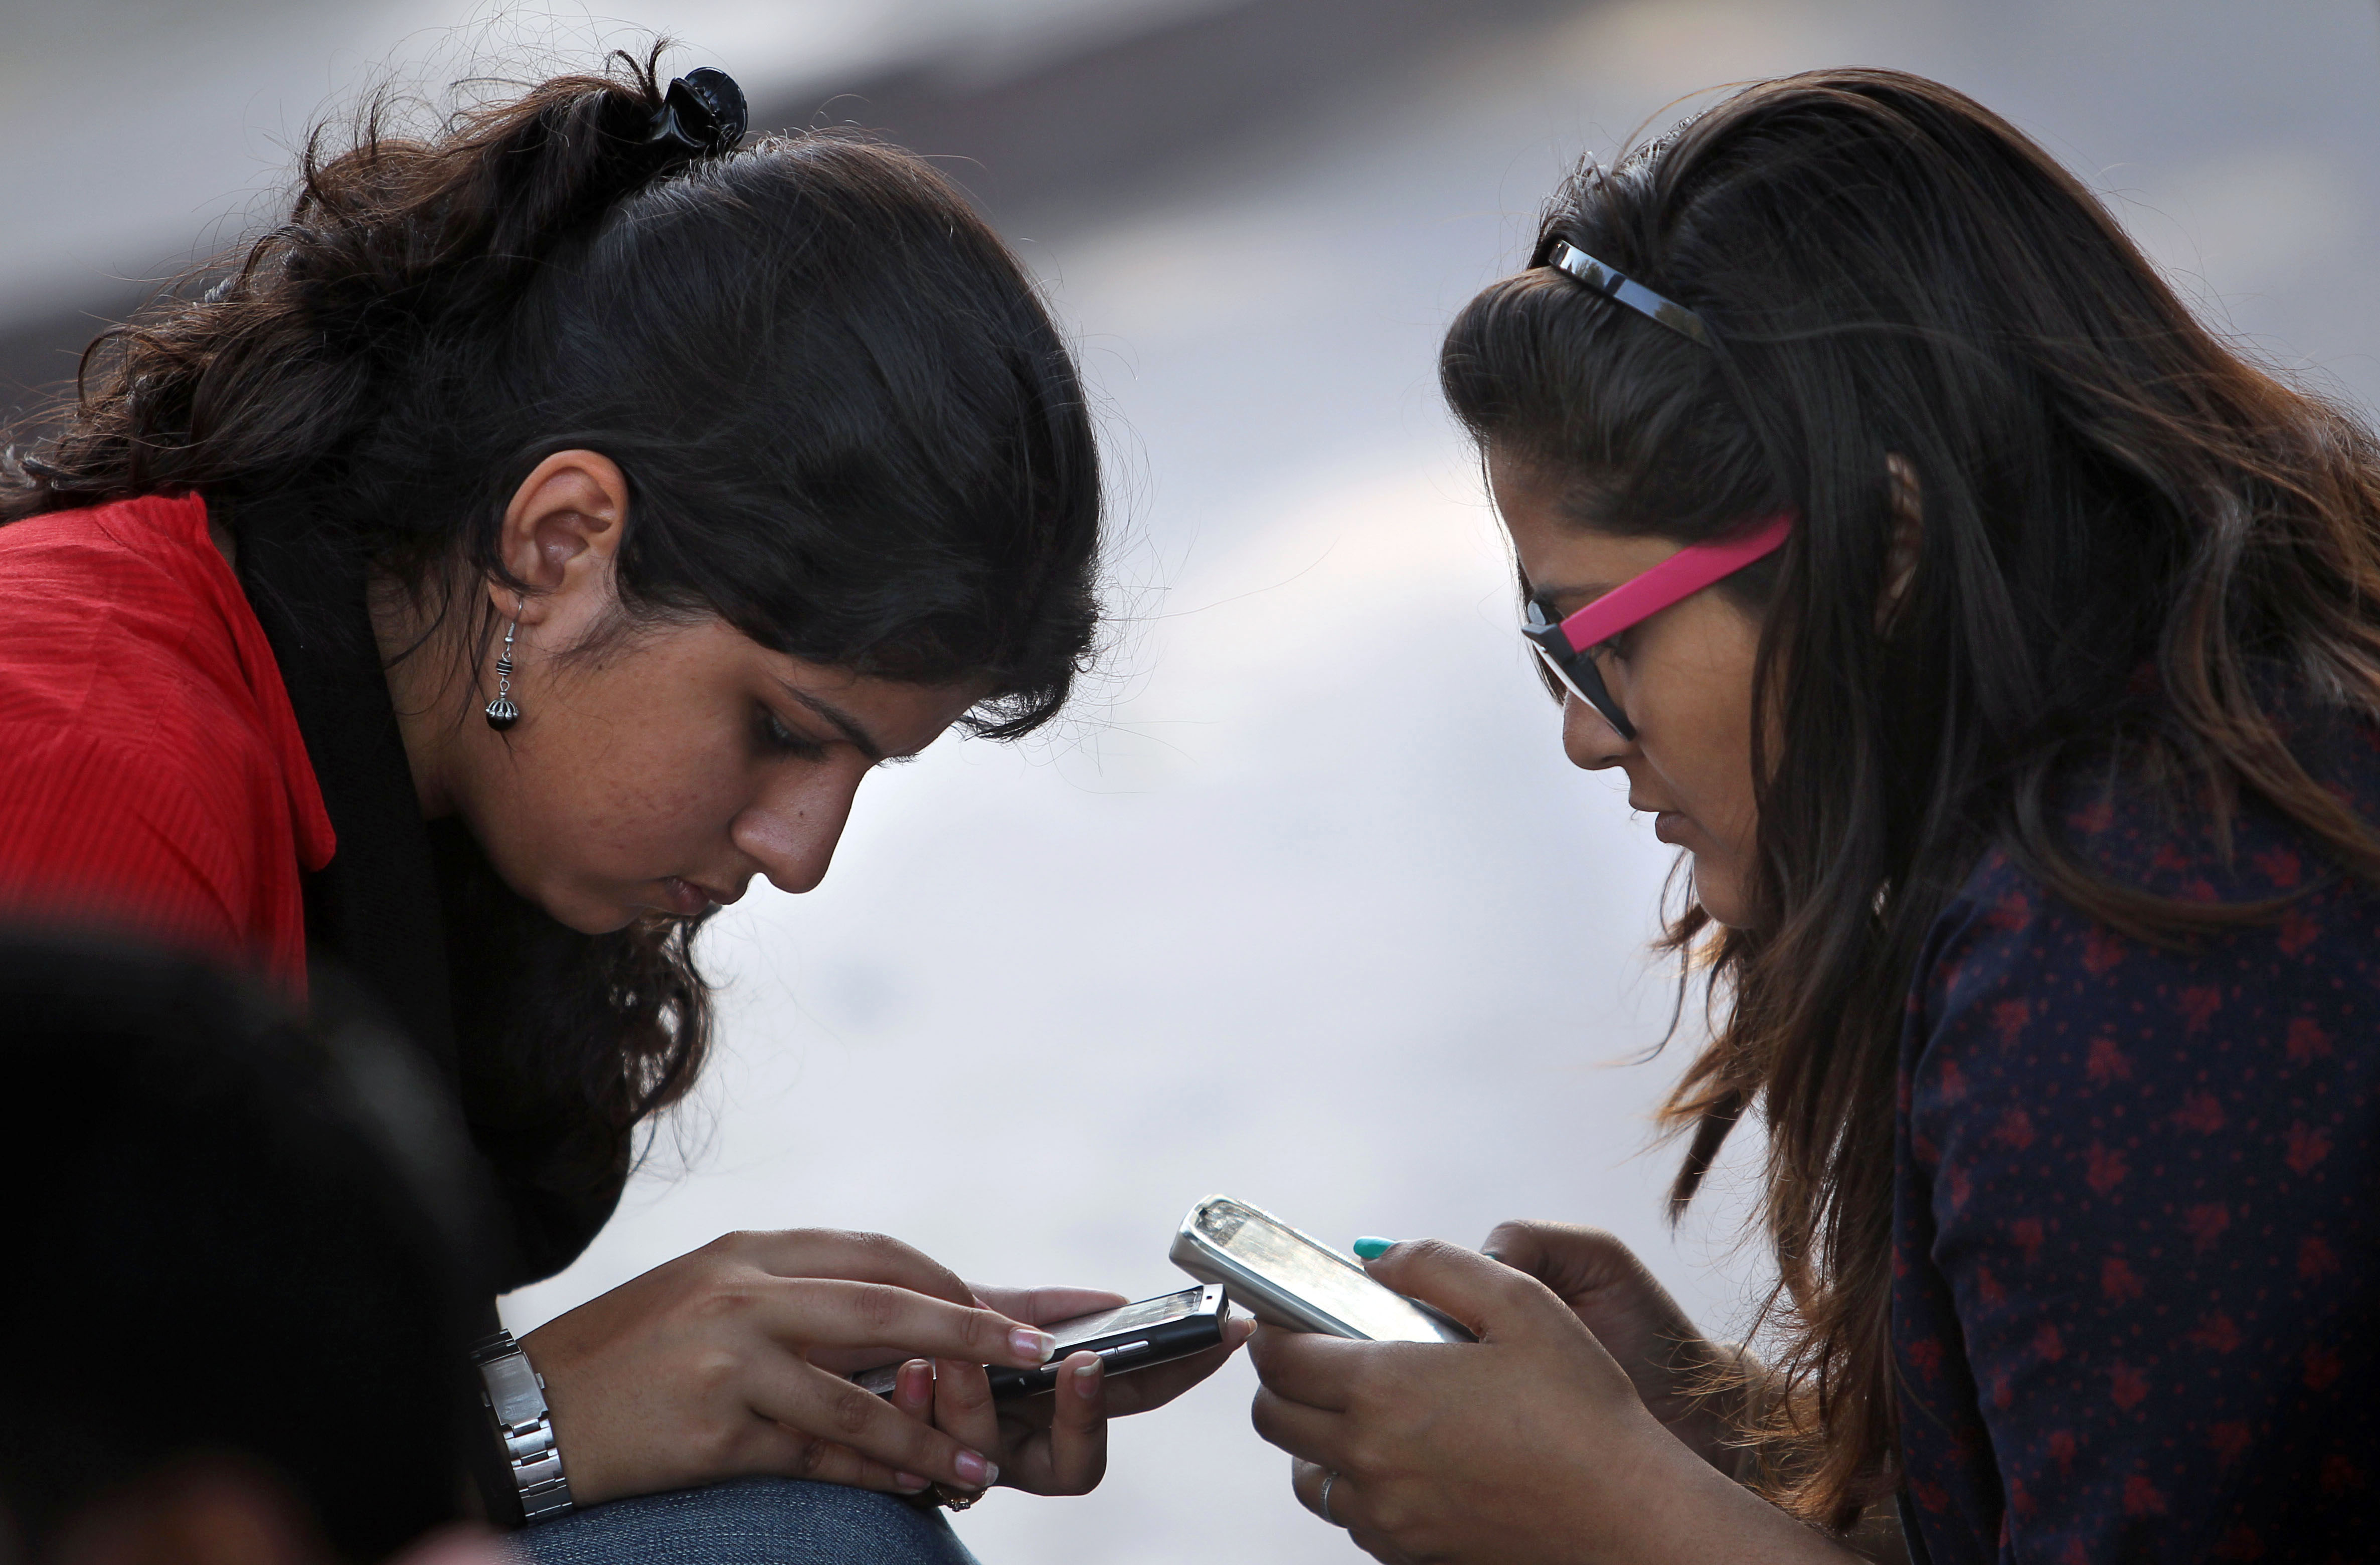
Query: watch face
[514, 1390]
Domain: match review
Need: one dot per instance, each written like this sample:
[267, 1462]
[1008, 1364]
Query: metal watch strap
[514, 1395]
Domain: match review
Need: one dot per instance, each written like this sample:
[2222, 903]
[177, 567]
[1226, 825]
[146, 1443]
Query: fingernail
[909, 1481]
[1086, 1379]
[1371, 1247]
[975, 1470]
[1035, 1345]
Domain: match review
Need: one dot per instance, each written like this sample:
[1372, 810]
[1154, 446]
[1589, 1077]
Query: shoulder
[147, 749]
[148, 547]
[2045, 1050]
[125, 631]
[129, 594]
[2008, 937]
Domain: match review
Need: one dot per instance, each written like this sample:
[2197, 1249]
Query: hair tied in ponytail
[702, 113]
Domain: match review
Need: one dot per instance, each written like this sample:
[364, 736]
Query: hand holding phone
[1130, 1337]
[1056, 1443]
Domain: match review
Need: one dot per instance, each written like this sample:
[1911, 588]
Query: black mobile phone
[1129, 1337]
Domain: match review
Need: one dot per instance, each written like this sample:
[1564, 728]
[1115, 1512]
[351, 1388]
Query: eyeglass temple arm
[1681, 576]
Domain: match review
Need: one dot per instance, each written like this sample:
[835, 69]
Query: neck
[424, 685]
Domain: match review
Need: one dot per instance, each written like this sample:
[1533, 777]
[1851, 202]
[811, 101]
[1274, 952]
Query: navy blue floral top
[2136, 1300]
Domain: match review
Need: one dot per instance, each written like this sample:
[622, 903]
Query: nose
[1588, 739]
[791, 829]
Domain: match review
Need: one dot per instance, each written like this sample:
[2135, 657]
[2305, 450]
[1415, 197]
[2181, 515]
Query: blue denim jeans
[750, 1522]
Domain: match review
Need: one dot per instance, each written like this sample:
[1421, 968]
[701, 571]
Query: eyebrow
[844, 722]
[1589, 591]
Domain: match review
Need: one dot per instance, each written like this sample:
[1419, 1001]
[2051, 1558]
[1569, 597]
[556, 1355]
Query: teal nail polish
[1371, 1248]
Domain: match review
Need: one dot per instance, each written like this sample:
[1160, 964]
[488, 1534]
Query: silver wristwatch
[516, 1395]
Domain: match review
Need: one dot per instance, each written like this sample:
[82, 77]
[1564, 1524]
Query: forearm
[1741, 1405]
[1699, 1514]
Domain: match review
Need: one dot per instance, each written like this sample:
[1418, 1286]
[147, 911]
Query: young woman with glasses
[2003, 649]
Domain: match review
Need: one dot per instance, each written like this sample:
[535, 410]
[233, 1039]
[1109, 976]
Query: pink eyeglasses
[1570, 646]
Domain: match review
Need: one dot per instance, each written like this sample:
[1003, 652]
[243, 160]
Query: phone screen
[1322, 1277]
[1127, 1317]
[1099, 1329]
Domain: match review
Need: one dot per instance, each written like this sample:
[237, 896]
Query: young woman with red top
[2003, 649]
[535, 537]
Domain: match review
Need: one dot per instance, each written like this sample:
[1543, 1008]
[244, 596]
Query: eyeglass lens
[1580, 677]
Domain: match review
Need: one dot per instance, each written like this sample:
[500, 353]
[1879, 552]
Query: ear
[1908, 532]
[562, 532]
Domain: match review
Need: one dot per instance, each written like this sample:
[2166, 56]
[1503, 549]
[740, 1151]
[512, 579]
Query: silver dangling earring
[501, 712]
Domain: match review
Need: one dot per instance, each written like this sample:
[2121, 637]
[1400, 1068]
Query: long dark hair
[850, 427]
[2133, 545]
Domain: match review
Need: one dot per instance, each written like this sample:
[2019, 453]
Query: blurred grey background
[1303, 904]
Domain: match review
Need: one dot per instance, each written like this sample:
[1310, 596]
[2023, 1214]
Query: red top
[152, 774]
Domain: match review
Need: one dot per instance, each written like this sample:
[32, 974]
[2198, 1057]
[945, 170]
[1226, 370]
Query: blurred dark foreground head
[241, 1272]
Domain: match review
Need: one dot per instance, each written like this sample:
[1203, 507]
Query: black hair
[849, 427]
[2135, 549]
[229, 1236]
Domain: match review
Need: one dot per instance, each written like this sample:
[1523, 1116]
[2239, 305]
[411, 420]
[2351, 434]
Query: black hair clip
[703, 113]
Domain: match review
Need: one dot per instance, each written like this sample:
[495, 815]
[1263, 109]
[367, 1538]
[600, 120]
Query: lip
[722, 899]
[691, 899]
[1670, 825]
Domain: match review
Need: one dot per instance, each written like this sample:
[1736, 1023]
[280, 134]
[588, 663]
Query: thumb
[1491, 1299]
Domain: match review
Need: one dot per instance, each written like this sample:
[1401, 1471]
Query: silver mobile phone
[1287, 1279]
[1130, 1336]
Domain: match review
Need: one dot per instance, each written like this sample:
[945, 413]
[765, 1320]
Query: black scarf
[411, 912]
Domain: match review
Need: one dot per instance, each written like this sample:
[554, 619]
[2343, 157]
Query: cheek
[1712, 776]
[631, 794]
[636, 814]
[1696, 732]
